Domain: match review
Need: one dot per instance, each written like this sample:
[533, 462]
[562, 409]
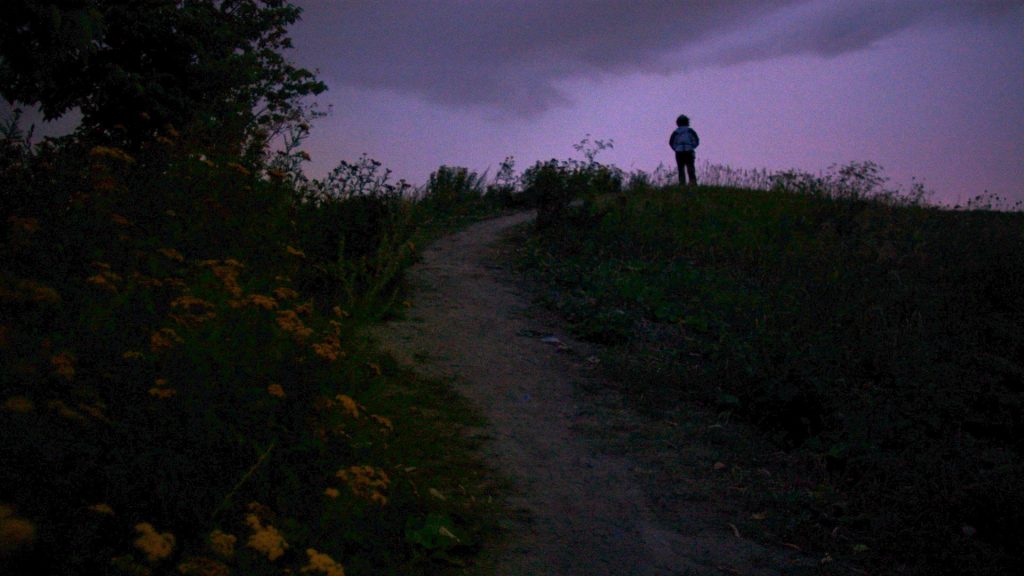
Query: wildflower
[159, 389]
[15, 532]
[385, 422]
[276, 390]
[171, 254]
[265, 539]
[95, 410]
[256, 301]
[195, 310]
[348, 404]
[227, 271]
[295, 251]
[112, 153]
[64, 365]
[329, 349]
[201, 566]
[22, 227]
[154, 545]
[163, 339]
[306, 308]
[164, 140]
[366, 482]
[223, 544]
[21, 291]
[290, 322]
[285, 293]
[339, 312]
[19, 405]
[238, 168]
[101, 508]
[104, 281]
[375, 367]
[332, 492]
[322, 563]
[120, 220]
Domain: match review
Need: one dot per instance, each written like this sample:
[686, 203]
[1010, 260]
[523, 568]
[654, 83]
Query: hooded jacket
[684, 139]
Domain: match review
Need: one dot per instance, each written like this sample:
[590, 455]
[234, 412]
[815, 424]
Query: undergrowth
[184, 380]
[874, 338]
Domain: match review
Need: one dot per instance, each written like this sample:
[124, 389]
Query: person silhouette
[684, 142]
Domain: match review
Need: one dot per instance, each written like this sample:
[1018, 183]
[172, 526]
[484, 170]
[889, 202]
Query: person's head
[683, 120]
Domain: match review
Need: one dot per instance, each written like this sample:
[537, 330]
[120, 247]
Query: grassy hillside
[184, 387]
[873, 339]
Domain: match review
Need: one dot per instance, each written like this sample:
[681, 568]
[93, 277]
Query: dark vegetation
[875, 340]
[184, 382]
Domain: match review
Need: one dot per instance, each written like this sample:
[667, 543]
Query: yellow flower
[64, 365]
[366, 482]
[158, 391]
[112, 153]
[131, 355]
[102, 508]
[255, 300]
[348, 404]
[163, 339]
[201, 566]
[331, 492]
[322, 563]
[339, 312]
[276, 390]
[290, 322]
[65, 411]
[329, 349]
[172, 254]
[223, 544]
[194, 310]
[15, 532]
[295, 251]
[265, 539]
[385, 422]
[237, 168]
[154, 545]
[19, 404]
[285, 293]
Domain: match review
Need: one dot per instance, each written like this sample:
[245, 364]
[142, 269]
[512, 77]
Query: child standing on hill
[684, 142]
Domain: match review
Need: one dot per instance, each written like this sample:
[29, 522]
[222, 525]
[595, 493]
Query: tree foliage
[212, 67]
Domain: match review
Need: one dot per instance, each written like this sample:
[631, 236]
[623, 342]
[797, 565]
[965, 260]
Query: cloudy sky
[930, 89]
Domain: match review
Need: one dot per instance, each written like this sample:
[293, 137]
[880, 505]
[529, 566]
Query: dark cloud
[511, 55]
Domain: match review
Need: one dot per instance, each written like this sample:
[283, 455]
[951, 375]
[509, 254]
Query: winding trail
[584, 510]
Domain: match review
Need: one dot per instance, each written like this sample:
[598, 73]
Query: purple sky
[928, 89]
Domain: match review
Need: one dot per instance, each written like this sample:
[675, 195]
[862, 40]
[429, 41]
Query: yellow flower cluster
[238, 168]
[276, 390]
[192, 311]
[348, 405]
[290, 322]
[227, 271]
[15, 532]
[256, 301]
[285, 293]
[222, 543]
[329, 349]
[111, 153]
[171, 254]
[102, 508]
[200, 566]
[154, 545]
[366, 482]
[163, 339]
[322, 563]
[159, 390]
[265, 539]
[23, 291]
[63, 365]
[19, 405]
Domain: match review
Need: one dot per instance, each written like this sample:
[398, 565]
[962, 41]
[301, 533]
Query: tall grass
[877, 336]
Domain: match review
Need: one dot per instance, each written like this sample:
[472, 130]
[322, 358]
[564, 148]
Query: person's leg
[681, 167]
[691, 168]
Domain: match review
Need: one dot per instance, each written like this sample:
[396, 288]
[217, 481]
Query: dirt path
[586, 511]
